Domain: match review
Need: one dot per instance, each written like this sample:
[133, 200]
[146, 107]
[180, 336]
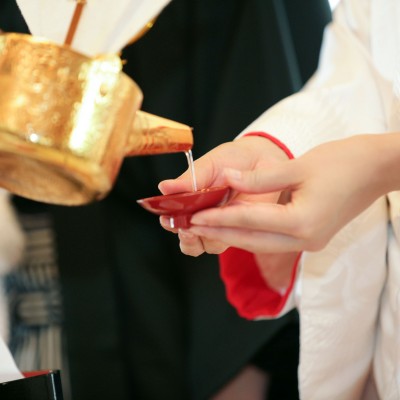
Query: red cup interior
[179, 207]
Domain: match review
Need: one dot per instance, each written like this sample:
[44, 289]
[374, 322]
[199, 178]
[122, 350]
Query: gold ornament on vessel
[68, 120]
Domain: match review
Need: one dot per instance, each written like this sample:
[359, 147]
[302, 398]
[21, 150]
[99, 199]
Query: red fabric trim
[272, 139]
[245, 287]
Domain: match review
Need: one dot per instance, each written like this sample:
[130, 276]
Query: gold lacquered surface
[151, 135]
[67, 121]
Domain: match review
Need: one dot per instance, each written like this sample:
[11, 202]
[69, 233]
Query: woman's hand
[329, 186]
[244, 154]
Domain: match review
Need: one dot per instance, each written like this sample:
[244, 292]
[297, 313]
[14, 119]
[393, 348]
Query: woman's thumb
[272, 179]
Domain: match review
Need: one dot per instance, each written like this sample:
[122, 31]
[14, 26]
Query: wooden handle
[74, 21]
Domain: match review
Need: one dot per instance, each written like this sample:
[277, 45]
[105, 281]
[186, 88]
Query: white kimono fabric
[349, 293]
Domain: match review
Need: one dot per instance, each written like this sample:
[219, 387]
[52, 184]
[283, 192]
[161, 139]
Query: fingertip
[171, 186]
[163, 185]
[166, 224]
[163, 221]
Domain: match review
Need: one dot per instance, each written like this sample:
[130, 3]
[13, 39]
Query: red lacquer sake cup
[179, 207]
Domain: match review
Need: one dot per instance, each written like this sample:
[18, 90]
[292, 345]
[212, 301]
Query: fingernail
[160, 186]
[233, 174]
[164, 221]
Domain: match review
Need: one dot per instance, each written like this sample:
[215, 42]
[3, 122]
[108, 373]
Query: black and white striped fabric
[33, 292]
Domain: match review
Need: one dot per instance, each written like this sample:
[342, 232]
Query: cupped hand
[244, 154]
[329, 186]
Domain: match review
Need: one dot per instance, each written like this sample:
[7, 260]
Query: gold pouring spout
[152, 135]
[67, 121]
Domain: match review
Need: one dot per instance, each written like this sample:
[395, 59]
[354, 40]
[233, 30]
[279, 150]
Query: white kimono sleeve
[344, 97]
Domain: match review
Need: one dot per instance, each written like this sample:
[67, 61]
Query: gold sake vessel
[67, 121]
